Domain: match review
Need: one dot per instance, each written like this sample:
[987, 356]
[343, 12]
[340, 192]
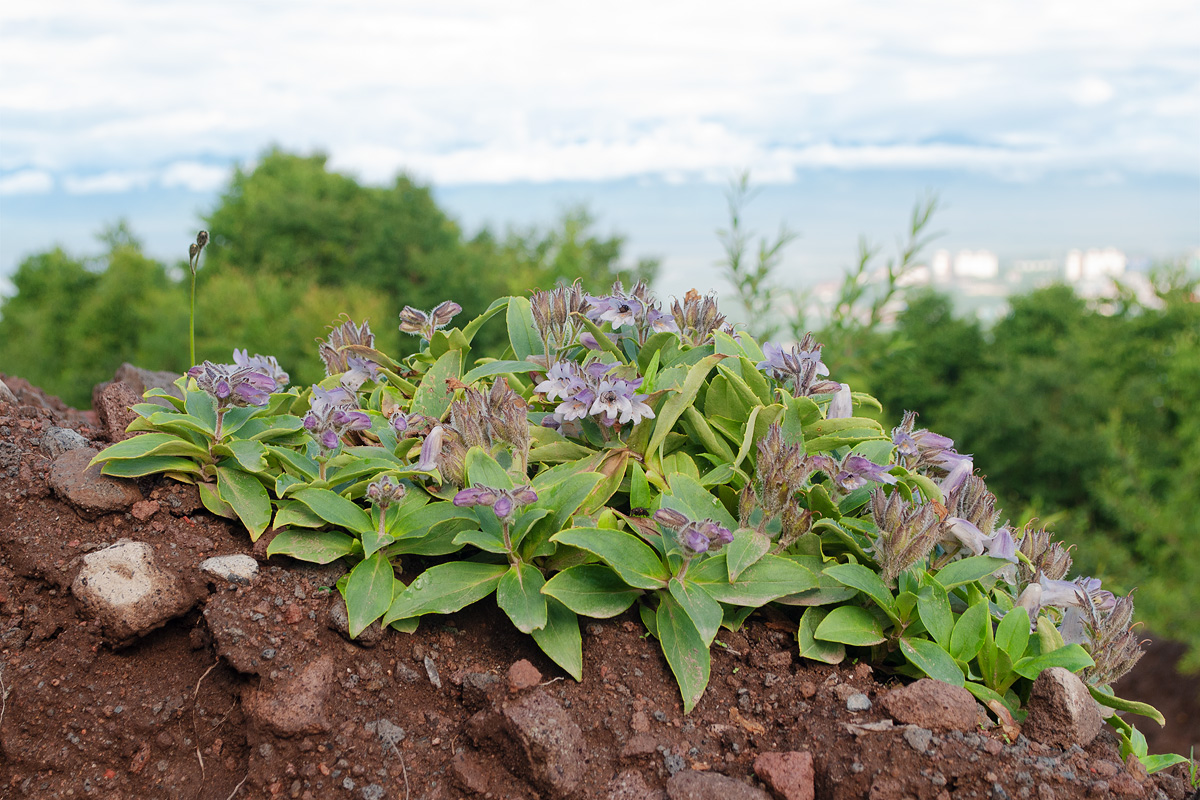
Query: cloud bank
[112, 96]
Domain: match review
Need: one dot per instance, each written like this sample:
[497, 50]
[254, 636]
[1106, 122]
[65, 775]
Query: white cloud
[112, 182]
[28, 181]
[466, 91]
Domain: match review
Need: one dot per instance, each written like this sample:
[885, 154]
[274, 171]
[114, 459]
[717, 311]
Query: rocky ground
[147, 650]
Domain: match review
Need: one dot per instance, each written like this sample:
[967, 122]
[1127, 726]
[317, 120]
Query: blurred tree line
[293, 246]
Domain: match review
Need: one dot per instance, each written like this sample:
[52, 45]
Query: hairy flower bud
[337, 360]
[907, 533]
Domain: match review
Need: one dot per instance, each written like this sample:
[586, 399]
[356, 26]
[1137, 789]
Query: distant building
[976, 264]
[941, 266]
[1095, 264]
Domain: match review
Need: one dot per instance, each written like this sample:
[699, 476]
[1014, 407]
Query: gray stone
[932, 704]
[6, 394]
[237, 568]
[918, 739]
[555, 751]
[56, 441]
[125, 588]
[389, 733]
[86, 488]
[692, 785]
[858, 702]
[1061, 710]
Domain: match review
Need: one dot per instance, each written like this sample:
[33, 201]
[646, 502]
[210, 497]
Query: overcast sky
[111, 96]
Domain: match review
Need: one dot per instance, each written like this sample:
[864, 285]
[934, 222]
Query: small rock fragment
[125, 588]
[523, 675]
[432, 671]
[630, 785]
[932, 704]
[554, 747]
[691, 785]
[1061, 710]
[858, 702]
[144, 510]
[113, 403]
[789, 776]
[918, 739]
[293, 707]
[84, 487]
[640, 744]
[56, 441]
[237, 568]
[471, 771]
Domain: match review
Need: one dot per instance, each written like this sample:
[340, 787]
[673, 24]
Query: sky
[1041, 125]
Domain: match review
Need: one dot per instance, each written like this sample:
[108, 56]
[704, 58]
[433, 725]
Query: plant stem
[192, 323]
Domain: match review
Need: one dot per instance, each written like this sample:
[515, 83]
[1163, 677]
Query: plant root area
[250, 691]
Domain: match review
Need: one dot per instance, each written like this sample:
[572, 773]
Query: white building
[977, 264]
[1095, 264]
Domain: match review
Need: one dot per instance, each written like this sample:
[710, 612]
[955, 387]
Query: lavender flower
[384, 491]
[265, 365]
[1064, 594]
[332, 413]
[360, 370]
[842, 404]
[342, 336]
[999, 544]
[857, 471]
[661, 322]
[696, 537]
[504, 502]
[420, 323]
[232, 385]
[562, 381]
[612, 400]
[431, 450]
[799, 366]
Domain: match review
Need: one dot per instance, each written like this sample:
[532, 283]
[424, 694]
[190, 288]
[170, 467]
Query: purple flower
[612, 400]
[361, 370]
[842, 405]
[562, 381]
[1000, 544]
[575, 407]
[232, 385]
[502, 501]
[266, 365]
[384, 491]
[431, 449]
[783, 364]
[589, 341]
[420, 323]
[858, 471]
[661, 322]
[332, 413]
[1064, 594]
[954, 480]
[695, 537]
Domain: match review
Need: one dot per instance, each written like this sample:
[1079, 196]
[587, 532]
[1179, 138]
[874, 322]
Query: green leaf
[203, 409]
[519, 594]
[250, 455]
[747, 547]
[632, 559]
[294, 462]
[685, 649]
[488, 542]
[332, 507]
[483, 470]
[591, 590]
[985, 695]
[850, 625]
[149, 465]
[248, 498]
[471, 328]
[767, 579]
[1012, 634]
[500, 368]
[291, 514]
[813, 648]
[445, 589]
[1132, 706]
[671, 410]
[560, 638]
[932, 660]
[701, 503]
[933, 608]
[969, 633]
[1049, 637]
[213, 502]
[967, 570]
[705, 613]
[368, 592]
[151, 444]
[1072, 657]
[868, 582]
[433, 396]
[522, 333]
[317, 547]
[1158, 763]
[700, 431]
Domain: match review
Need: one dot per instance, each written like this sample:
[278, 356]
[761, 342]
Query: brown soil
[253, 695]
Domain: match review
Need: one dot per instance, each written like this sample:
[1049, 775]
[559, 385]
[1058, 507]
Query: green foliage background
[1084, 420]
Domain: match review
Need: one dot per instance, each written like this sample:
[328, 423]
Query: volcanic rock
[84, 487]
[932, 704]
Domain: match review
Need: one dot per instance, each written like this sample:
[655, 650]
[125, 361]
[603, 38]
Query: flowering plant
[619, 454]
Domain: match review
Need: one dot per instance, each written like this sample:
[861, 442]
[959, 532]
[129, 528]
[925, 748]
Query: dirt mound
[133, 672]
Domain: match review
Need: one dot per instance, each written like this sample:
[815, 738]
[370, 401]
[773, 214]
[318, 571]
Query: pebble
[858, 702]
[918, 739]
[238, 568]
